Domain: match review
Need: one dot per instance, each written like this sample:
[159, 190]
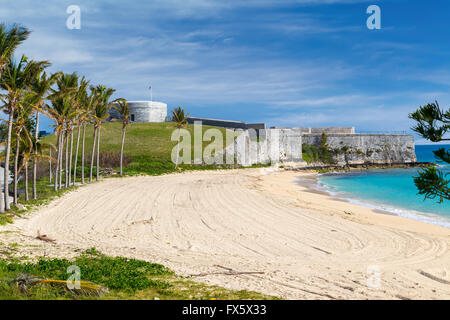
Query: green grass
[124, 278]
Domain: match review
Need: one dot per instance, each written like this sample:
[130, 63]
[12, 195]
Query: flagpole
[151, 96]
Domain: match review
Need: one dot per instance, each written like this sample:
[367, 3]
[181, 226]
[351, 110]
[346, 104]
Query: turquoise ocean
[391, 190]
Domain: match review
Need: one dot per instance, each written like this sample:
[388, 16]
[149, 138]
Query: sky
[282, 62]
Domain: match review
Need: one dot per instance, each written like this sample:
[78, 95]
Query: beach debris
[24, 280]
[229, 272]
[85, 288]
[321, 250]
[430, 276]
[109, 171]
[44, 237]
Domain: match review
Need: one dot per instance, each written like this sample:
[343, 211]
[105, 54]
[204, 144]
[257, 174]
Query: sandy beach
[302, 244]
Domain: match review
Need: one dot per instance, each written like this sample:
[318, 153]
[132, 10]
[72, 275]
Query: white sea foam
[406, 213]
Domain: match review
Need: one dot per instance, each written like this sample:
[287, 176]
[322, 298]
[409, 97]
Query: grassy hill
[148, 146]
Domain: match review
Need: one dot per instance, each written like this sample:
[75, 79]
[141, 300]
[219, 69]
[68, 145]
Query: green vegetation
[310, 153]
[179, 116]
[321, 153]
[122, 277]
[433, 124]
[124, 112]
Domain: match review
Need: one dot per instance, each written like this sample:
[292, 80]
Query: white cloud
[57, 48]
[205, 64]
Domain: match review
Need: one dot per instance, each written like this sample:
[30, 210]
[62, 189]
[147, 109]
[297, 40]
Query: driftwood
[44, 237]
[230, 272]
[23, 281]
[426, 274]
[86, 288]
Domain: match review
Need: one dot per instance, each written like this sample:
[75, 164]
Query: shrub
[322, 153]
[310, 153]
[108, 159]
[115, 273]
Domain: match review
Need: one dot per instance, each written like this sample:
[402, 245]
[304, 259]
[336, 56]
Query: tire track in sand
[194, 221]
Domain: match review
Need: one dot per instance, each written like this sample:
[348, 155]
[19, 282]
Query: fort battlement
[280, 145]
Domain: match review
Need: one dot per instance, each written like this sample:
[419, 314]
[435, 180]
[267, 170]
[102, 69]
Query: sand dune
[308, 245]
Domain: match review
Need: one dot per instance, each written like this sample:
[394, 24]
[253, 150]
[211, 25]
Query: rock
[21, 207]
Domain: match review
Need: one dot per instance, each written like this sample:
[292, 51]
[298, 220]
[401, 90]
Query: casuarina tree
[433, 124]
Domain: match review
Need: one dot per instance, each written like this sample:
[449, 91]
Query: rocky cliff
[368, 148]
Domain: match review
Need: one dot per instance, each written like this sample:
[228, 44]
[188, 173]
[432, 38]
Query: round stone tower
[144, 111]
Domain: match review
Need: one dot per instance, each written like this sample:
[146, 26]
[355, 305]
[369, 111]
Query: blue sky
[283, 62]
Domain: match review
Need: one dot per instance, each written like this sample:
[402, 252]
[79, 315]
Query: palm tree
[81, 99]
[35, 152]
[67, 86]
[85, 116]
[62, 112]
[59, 111]
[122, 108]
[22, 135]
[16, 163]
[40, 86]
[26, 153]
[100, 114]
[10, 39]
[16, 79]
[179, 116]
[51, 147]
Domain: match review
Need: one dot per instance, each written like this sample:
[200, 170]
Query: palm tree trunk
[27, 196]
[66, 172]
[50, 173]
[2, 200]
[58, 142]
[178, 147]
[61, 160]
[121, 150]
[16, 165]
[70, 157]
[36, 136]
[76, 156]
[7, 156]
[93, 155]
[98, 154]
[82, 153]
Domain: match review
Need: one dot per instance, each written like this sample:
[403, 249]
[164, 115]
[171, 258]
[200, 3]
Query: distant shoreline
[312, 185]
[350, 167]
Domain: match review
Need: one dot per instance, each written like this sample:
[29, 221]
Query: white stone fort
[255, 144]
[144, 111]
